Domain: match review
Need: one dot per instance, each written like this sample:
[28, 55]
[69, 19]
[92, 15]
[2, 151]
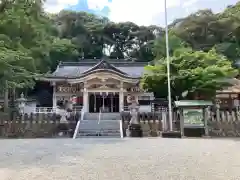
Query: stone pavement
[120, 159]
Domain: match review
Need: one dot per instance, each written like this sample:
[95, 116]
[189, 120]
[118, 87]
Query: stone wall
[37, 126]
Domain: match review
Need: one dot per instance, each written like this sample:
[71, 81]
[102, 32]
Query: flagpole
[168, 68]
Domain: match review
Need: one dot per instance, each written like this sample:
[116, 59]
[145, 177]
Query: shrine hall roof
[84, 67]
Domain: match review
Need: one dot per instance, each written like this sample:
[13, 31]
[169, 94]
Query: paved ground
[115, 159]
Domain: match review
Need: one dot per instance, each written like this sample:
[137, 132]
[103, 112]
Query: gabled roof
[106, 66]
[83, 68]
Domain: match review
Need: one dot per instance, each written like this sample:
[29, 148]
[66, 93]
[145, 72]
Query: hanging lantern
[130, 98]
[73, 99]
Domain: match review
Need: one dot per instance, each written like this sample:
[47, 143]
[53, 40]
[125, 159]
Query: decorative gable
[104, 65]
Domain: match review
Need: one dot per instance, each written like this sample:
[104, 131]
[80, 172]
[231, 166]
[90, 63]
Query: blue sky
[141, 12]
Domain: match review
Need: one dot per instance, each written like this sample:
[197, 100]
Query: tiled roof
[235, 88]
[232, 89]
[83, 67]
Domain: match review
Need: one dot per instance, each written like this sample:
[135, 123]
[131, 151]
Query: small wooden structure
[158, 104]
[230, 96]
[193, 115]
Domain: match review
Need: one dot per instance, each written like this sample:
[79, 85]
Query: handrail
[47, 110]
[78, 124]
[121, 128]
[82, 114]
[99, 116]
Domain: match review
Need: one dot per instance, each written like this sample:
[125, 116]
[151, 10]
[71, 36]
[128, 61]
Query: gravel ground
[115, 159]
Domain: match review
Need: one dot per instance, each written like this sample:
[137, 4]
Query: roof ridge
[93, 63]
[105, 64]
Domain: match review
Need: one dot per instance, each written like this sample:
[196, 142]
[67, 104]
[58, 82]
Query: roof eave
[64, 78]
[111, 71]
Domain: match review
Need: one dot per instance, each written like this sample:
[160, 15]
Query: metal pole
[168, 68]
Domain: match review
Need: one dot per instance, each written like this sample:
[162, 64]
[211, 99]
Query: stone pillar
[206, 116]
[121, 100]
[181, 123]
[85, 100]
[136, 97]
[54, 100]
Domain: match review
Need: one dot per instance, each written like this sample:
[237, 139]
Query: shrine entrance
[106, 102]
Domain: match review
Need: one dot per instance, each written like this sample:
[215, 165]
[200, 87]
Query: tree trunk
[6, 93]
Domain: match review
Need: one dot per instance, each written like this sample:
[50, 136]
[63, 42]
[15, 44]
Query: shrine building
[99, 85]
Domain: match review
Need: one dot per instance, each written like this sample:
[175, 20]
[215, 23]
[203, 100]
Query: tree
[84, 30]
[196, 72]
[159, 47]
[23, 30]
[204, 30]
[196, 30]
[62, 50]
[16, 68]
[33, 42]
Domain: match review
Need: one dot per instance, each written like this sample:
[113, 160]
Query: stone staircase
[108, 126]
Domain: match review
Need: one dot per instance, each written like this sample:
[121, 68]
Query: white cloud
[98, 4]
[55, 6]
[142, 12]
[190, 6]
[189, 3]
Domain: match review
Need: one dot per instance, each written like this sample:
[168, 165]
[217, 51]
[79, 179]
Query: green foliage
[22, 30]
[159, 48]
[62, 50]
[203, 46]
[204, 30]
[204, 49]
[198, 72]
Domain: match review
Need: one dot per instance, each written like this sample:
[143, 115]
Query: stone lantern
[21, 103]
[134, 128]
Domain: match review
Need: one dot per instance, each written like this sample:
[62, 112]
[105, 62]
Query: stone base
[64, 131]
[171, 134]
[194, 132]
[135, 130]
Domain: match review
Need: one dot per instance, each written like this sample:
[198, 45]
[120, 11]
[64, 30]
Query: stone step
[93, 128]
[99, 132]
[98, 137]
[93, 124]
[106, 116]
[96, 133]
